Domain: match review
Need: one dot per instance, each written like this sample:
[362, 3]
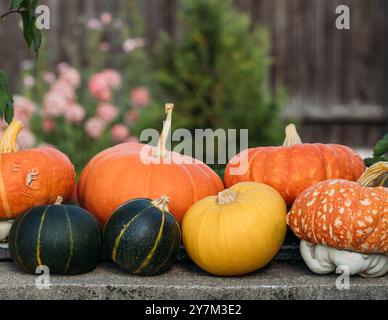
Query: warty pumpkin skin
[343, 215]
[118, 174]
[142, 237]
[237, 232]
[31, 177]
[296, 166]
[66, 239]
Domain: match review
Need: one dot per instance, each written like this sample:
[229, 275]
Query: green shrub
[217, 72]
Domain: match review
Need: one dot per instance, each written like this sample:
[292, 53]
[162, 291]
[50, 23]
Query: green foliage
[217, 72]
[6, 100]
[380, 152]
[32, 35]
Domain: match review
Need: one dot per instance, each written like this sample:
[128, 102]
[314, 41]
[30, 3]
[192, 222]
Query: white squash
[322, 260]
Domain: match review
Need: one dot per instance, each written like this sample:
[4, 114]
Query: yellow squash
[237, 232]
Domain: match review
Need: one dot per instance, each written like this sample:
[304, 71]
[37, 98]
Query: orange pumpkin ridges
[343, 215]
[296, 166]
[31, 177]
[118, 174]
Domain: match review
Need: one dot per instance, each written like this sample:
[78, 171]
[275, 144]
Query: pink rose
[132, 116]
[140, 97]
[106, 18]
[65, 88]
[28, 81]
[54, 104]
[99, 87]
[75, 113]
[94, 24]
[62, 67]
[104, 46]
[133, 43]
[107, 112]
[48, 77]
[120, 133]
[26, 139]
[71, 76]
[95, 127]
[23, 109]
[48, 125]
[113, 78]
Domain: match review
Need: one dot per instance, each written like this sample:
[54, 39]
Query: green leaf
[381, 147]
[6, 100]
[16, 4]
[380, 152]
[27, 28]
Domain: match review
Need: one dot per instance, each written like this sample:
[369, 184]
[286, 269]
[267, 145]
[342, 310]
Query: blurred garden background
[106, 68]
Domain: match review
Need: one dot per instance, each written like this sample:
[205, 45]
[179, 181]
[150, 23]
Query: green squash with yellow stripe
[66, 239]
[142, 236]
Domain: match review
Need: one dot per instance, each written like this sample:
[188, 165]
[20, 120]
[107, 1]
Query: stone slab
[279, 280]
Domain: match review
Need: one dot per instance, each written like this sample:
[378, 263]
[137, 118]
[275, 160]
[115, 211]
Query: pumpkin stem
[292, 136]
[160, 149]
[375, 176]
[226, 196]
[8, 139]
[161, 203]
[58, 201]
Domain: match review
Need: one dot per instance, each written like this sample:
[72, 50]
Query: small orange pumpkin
[32, 177]
[343, 215]
[295, 166]
[120, 173]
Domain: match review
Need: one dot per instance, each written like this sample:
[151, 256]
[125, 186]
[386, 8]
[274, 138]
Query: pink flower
[107, 112]
[54, 104]
[48, 77]
[95, 127]
[48, 125]
[140, 97]
[94, 24]
[75, 113]
[132, 116]
[23, 109]
[26, 139]
[106, 18]
[28, 81]
[104, 46]
[99, 87]
[64, 88]
[113, 78]
[71, 76]
[132, 44]
[120, 133]
[62, 67]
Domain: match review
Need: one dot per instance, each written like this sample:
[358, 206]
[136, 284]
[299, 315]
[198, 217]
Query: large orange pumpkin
[120, 173]
[31, 177]
[295, 166]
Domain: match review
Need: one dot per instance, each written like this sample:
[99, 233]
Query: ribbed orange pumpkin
[32, 177]
[295, 166]
[120, 174]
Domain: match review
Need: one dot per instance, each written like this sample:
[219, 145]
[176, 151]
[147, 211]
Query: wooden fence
[320, 66]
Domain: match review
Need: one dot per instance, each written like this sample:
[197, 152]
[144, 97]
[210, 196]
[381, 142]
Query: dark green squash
[142, 237]
[66, 239]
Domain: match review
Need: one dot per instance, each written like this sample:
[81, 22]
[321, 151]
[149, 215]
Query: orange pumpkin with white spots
[295, 166]
[343, 215]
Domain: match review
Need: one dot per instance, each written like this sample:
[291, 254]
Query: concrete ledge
[280, 280]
